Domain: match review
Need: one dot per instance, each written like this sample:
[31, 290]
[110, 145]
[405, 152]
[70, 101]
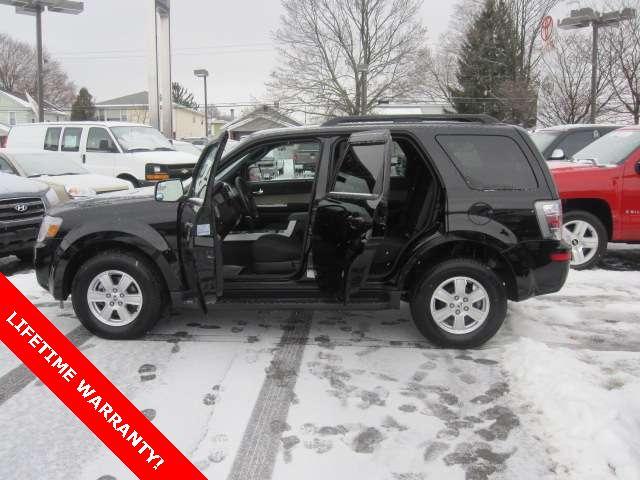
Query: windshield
[612, 148]
[35, 165]
[141, 139]
[543, 139]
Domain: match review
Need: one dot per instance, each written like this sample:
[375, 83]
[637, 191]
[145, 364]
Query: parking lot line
[15, 380]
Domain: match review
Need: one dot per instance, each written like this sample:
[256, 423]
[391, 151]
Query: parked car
[563, 141]
[66, 177]
[23, 203]
[471, 220]
[133, 152]
[600, 192]
[187, 147]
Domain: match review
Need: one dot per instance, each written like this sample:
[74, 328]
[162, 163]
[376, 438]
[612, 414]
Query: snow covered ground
[350, 395]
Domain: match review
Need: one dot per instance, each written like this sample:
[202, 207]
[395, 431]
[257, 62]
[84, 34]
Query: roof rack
[469, 118]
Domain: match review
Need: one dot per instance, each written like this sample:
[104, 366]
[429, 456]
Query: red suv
[600, 192]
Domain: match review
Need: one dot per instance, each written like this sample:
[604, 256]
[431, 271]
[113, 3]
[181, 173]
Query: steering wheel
[247, 201]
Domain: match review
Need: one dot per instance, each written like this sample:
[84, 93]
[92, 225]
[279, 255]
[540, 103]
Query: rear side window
[489, 162]
[52, 139]
[71, 139]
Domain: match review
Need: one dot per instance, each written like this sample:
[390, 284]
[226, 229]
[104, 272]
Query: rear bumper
[536, 269]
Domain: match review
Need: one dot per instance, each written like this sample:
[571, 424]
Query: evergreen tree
[83, 107]
[182, 96]
[487, 61]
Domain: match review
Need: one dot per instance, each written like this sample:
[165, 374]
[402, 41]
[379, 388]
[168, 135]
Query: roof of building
[261, 118]
[139, 98]
[24, 101]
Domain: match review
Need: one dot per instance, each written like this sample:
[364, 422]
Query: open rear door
[350, 222]
[200, 246]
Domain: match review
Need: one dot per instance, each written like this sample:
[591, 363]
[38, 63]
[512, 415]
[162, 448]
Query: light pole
[203, 73]
[35, 8]
[587, 17]
[363, 69]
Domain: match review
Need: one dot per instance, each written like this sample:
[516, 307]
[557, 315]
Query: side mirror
[557, 154]
[638, 167]
[169, 190]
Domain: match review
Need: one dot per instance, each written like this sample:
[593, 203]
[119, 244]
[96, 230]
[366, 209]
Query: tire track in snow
[256, 455]
[15, 380]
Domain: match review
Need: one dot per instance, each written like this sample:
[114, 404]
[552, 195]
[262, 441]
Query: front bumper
[15, 239]
[44, 265]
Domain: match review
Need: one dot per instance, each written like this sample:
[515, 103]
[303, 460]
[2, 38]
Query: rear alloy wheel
[586, 235]
[117, 295]
[459, 304]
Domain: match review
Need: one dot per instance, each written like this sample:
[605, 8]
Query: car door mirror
[638, 167]
[169, 190]
[557, 154]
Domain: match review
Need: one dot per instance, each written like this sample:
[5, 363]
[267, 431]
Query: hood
[166, 157]
[13, 185]
[99, 183]
[559, 167]
[120, 199]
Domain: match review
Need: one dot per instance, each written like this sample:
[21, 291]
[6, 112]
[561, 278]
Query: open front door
[200, 246]
[350, 222]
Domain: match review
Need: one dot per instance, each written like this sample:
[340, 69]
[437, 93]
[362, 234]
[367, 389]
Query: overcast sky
[105, 48]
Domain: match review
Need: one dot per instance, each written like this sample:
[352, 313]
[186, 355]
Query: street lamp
[36, 7]
[585, 17]
[202, 73]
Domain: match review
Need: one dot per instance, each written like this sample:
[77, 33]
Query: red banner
[86, 391]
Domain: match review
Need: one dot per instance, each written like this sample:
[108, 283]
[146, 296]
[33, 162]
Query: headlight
[154, 173]
[49, 227]
[79, 191]
[51, 197]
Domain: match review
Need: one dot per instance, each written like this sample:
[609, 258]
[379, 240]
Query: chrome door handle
[258, 192]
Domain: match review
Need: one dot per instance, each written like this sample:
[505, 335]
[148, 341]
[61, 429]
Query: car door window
[201, 179]
[292, 161]
[71, 139]
[98, 140]
[52, 139]
[574, 142]
[360, 169]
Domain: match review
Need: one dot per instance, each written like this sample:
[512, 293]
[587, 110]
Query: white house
[16, 108]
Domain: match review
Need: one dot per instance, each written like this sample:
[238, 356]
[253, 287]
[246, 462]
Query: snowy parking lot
[350, 395]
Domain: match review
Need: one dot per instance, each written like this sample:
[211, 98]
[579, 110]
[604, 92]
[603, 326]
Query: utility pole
[587, 17]
[363, 69]
[35, 8]
[38, 9]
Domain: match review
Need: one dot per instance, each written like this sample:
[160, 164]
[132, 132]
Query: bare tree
[566, 87]
[342, 56]
[18, 73]
[620, 54]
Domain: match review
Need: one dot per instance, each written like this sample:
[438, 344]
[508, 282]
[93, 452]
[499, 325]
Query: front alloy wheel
[115, 298]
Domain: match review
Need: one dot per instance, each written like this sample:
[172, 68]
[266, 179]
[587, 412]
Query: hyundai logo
[185, 170]
[21, 207]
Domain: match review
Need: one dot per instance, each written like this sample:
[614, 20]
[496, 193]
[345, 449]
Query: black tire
[142, 272]
[432, 279]
[596, 224]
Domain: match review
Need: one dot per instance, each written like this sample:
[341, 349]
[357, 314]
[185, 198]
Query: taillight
[549, 213]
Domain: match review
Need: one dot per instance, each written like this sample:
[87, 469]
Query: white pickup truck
[133, 152]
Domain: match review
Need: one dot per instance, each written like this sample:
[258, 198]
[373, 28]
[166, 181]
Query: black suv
[454, 214]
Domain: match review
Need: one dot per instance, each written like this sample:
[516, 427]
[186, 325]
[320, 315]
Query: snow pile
[592, 423]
